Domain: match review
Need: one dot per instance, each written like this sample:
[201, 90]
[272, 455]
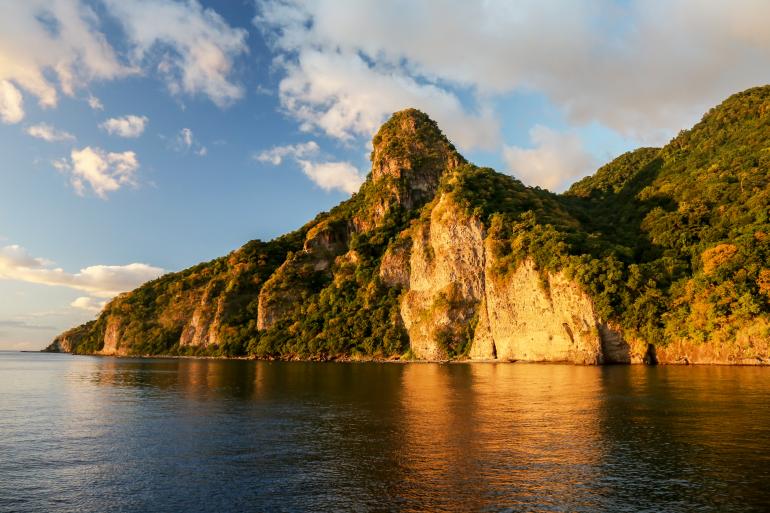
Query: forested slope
[661, 254]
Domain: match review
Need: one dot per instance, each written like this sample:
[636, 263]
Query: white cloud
[345, 96]
[644, 68]
[557, 159]
[88, 304]
[16, 256]
[95, 103]
[186, 142]
[276, 154]
[11, 108]
[329, 85]
[333, 175]
[49, 133]
[185, 137]
[42, 40]
[190, 46]
[103, 171]
[50, 48]
[327, 175]
[129, 126]
[99, 280]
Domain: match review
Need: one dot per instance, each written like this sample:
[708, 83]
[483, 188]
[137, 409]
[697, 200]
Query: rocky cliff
[437, 259]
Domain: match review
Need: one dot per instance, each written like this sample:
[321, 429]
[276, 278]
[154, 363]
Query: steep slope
[663, 254]
[684, 230]
[314, 293]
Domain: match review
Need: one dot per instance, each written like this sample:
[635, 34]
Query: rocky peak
[411, 150]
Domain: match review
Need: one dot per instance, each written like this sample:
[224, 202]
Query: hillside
[661, 255]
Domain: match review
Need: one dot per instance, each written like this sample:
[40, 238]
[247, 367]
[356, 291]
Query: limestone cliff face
[748, 349]
[69, 340]
[457, 300]
[202, 327]
[445, 280]
[394, 266]
[526, 316]
[453, 285]
[276, 298]
[112, 337]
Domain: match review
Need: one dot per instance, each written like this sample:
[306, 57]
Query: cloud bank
[54, 48]
[103, 281]
[645, 69]
[638, 67]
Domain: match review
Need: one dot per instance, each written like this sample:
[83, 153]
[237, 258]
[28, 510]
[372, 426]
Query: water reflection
[105, 434]
[521, 436]
[688, 437]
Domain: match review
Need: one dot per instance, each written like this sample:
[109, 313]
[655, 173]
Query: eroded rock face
[112, 337]
[69, 341]
[751, 351]
[394, 266]
[409, 157]
[202, 328]
[65, 342]
[411, 151]
[445, 280]
[533, 318]
[522, 315]
[275, 298]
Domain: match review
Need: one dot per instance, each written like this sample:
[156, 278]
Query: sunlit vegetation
[670, 243]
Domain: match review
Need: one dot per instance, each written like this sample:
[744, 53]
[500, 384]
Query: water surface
[105, 434]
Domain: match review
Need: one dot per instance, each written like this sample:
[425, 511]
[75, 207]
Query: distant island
[663, 255]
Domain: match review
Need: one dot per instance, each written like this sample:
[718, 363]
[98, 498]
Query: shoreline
[752, 363]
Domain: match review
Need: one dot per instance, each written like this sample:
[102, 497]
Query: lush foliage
[671, 243]
[353, 315]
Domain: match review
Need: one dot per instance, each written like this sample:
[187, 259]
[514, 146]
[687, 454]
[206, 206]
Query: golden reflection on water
[512, 432]
[370, 437]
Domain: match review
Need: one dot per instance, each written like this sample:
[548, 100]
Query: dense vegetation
[338, 309]
[154, 315]
[671, 244]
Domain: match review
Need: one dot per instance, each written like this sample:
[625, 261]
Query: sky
[142, 137]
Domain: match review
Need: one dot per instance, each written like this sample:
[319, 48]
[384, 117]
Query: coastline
[746, 362]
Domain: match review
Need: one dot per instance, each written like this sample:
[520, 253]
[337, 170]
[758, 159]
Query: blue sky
[146, 136]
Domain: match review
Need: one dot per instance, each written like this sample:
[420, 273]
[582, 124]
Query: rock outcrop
[534, 316]
[457, 301]
[70, 339]
[445, 281]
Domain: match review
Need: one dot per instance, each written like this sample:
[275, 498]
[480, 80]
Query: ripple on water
[105, 434]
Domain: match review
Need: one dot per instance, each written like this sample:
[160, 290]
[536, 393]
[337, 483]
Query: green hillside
[671, 244]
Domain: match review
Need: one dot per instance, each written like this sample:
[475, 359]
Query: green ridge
[671, 243]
